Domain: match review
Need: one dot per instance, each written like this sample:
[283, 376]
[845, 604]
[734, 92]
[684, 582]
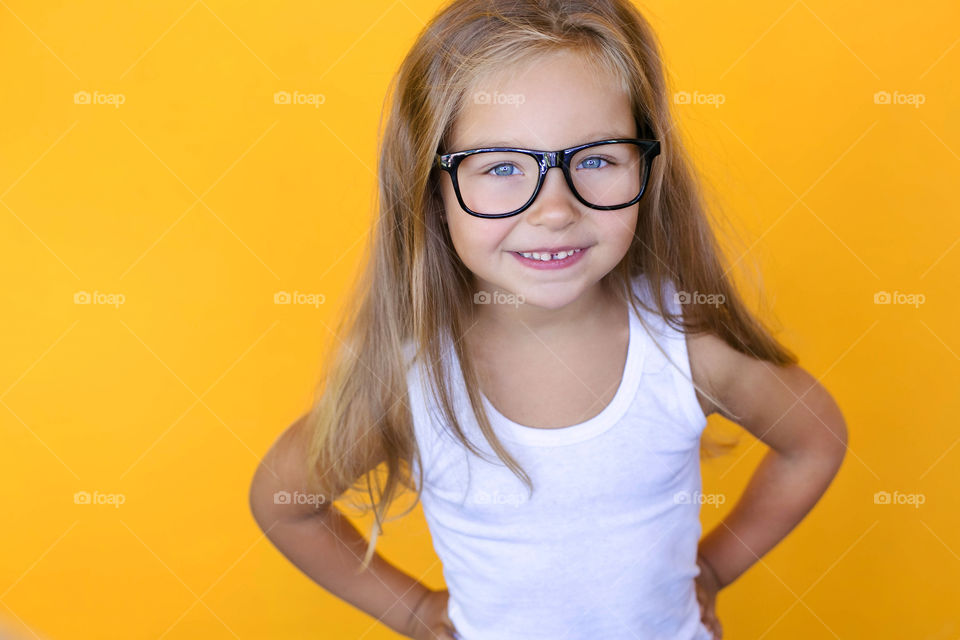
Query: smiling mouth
[540, 261]
[546, 255]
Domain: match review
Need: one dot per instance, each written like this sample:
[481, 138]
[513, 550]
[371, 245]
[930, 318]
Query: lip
[552, 264]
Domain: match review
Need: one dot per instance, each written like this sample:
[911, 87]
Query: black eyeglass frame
[546, 160]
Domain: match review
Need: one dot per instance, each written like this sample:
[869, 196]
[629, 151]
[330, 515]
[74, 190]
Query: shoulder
[735, 381]
[760, 395]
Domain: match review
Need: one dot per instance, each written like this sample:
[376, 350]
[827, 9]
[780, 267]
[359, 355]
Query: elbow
[832, 447]
[824, 450]
[844, 435]
[834, 437]
[259, 500]
[254, 506]
[841, 443]
[252, 501]
[838, 427]
[267, 516]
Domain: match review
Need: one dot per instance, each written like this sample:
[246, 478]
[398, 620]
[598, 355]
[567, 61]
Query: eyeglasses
[498, 182]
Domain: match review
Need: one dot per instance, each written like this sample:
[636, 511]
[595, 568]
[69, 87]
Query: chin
[536, 297]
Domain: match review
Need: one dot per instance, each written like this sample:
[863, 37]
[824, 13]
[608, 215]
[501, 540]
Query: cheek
[475, 237]
[618, 231]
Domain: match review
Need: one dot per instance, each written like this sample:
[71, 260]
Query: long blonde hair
[414, 289]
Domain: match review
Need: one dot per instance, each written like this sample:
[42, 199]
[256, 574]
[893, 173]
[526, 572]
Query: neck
[522, 319]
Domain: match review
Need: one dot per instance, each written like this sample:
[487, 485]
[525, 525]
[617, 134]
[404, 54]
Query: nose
[555, 205]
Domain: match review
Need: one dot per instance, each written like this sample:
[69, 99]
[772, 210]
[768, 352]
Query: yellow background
[199, 198]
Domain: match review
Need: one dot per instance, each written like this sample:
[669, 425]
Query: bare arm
[788, 410]
[323, 544]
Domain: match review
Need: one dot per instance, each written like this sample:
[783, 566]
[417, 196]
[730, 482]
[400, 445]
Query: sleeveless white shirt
[606, 546]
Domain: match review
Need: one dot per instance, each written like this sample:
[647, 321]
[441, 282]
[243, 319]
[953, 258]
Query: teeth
[545, 257]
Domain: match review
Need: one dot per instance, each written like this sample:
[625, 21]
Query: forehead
[554, 101]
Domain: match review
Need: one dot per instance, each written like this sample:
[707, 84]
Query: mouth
[550, 253]
[550, 258]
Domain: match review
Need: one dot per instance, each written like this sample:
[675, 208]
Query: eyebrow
[515, 143]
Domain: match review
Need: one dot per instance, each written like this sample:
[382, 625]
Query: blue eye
[497, 171]
[594, 159]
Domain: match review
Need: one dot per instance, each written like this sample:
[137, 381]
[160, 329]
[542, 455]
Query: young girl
[535, 352]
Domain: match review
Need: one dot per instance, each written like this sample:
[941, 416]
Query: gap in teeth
[545, 257]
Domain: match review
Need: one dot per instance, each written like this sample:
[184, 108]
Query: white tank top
[606, 546]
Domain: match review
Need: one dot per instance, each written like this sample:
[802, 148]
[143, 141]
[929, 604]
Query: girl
[535, 352]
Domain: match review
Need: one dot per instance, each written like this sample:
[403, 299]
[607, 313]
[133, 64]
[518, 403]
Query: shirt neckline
[592, 427]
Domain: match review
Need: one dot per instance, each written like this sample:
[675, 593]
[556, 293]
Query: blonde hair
[415, 290]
